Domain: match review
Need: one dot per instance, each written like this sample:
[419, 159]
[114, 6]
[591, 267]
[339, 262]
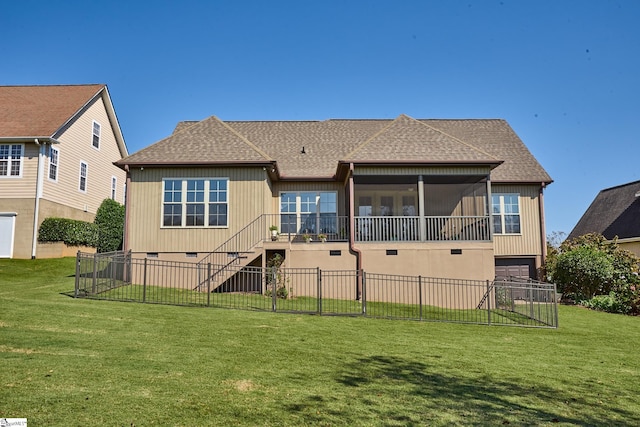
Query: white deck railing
[434, 228]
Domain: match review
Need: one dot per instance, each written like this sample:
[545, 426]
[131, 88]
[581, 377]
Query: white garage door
[7, 232]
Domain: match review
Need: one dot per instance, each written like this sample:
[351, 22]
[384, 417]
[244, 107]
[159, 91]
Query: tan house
[57, 149]
[436, 198]
[614, 213]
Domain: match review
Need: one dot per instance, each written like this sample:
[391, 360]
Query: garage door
[522, 268]
[7, 232]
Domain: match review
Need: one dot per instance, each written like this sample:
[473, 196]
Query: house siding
[249, 197]
[25, 186]
[528, 242]
[75, 147]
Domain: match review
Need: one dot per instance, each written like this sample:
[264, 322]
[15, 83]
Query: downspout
[543, 232]
[352, 236]
[127, 199]
[36, 211]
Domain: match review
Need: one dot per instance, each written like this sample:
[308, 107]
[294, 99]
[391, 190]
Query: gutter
[352, 236]
[39, 184]
[543, 232]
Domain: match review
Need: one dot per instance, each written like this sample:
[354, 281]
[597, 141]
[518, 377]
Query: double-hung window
[199, 202]
[114, 185]
[54, 155]
[95, 137]
[310, 212]
[505, 210]
[11, 160]
[83, 177]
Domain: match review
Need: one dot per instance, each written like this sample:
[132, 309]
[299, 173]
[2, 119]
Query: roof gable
[614, 212]
[208, 141]
[406, 139]
[40, 111]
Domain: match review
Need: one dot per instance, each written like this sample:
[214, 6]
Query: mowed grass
[76, 362]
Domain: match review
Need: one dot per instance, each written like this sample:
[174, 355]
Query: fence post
[319, 282]
[95, 271]
[274, 288]
[488, 303]
[364, 292]
[208, 283]
[555, 304]
[420, 294]
[77, 287]
[144, 281]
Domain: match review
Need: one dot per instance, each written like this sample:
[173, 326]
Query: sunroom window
[310, 212]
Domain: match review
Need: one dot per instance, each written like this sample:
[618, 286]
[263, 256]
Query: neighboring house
[57, 148]
[615, 212]
[436, 198]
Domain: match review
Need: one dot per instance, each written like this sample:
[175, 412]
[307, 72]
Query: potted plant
[274, 232]
[306, 237]
[322, 237]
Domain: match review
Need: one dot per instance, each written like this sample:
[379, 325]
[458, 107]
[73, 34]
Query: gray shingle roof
[614, 212]
[328, 142]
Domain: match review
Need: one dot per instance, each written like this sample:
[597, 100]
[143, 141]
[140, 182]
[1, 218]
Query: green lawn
[76, 362]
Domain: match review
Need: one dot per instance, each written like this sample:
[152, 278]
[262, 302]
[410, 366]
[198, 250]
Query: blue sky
[564, 74]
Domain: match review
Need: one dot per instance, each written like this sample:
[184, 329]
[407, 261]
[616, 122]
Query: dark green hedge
[105, 233]
[110, 222]
[70, 231]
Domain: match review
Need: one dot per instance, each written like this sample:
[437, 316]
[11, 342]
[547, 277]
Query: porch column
[421, 210]
[489, 207]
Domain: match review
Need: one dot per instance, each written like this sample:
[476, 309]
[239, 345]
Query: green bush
[609, 303]
[110, 222]
[590, 265]
[70, 231]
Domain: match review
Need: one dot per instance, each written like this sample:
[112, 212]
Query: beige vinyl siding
[299, 187]
[426, 170]
[527, 243]
[248, 198]
[24, 187]
[75, 147]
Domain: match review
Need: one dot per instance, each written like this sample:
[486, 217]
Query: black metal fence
[119, 276]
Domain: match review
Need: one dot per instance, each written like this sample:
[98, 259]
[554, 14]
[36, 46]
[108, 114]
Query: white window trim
[503, 214]
[93, 125]
[298, 213]
[183, 202]
[114, 187]
[9, 160]
[57, 164]
[86, 177]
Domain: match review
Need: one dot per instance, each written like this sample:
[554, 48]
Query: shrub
[609, 303]
[70, 231]
[110, 222]
[276, 277]
[584, 271]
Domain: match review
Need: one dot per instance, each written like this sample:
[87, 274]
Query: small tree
[584, 271]
[110, 222]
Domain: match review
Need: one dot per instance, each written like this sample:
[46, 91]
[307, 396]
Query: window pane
[307, 202]
[497, 224]
[195, 215]
[172, 215]
[308, 223]
[288, 202]
[288, 223]
[217, 215]
[195, 191]
[328, 203]
[512, 224]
